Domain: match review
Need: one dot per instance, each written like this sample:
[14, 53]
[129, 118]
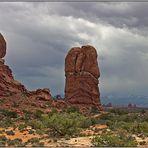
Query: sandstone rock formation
[2, 46]
[8, 85]
[42, 94]
[13, 92]
[81, 89]
[82, 73]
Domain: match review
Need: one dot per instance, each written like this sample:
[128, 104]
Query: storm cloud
[40, 34]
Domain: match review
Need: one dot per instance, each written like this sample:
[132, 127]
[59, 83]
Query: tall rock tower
[82, 73]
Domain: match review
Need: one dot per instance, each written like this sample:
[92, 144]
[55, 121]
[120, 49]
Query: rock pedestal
[82, 73]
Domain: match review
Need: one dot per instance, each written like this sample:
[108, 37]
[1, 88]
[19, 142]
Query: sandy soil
[84, 141]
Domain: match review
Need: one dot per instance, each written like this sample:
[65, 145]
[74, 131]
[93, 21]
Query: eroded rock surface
[13, 94]
[2, 46]
[82, 73]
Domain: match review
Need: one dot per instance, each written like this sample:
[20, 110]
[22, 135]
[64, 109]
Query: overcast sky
[39, 36]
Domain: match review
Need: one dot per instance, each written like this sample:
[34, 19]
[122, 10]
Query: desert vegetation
[114, 127]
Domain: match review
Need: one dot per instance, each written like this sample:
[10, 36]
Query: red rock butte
[82, 73]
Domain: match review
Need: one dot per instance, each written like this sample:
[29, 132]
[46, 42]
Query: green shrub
[6, 122]
[35, 124]
[33, 140]
[119, 111]
[66, 123]
[94, 110]
[54, 111]
[106, 116]
[31, 131]
[27, 115]
[72, 109]
[2, 144]
[22, 126]
[10, 132]
[10, 114]
[114, 140]
[15, 142]
[3, 138]
[38, 114]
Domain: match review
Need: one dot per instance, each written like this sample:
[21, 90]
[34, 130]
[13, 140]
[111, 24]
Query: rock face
[8, 85]
[2, 46]
[42, 94]
[13, 92]
[82, 73]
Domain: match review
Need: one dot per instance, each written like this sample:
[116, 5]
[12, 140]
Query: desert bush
[31, 131]
[94, 110]
[144, 127]
[40, 131]
[15, 142]
[10, 114]
[2, 144]
[10, 132]
[6, 122]
[33, 140]
[22, 126]
[140, 128]
[66, 123]
[35, 124]
[119, 111]
[38, 114]
[27, 115]
[3, 138]
[54, 111]
[114, 140]
[86, 122]
[72, 109]
[107, 116]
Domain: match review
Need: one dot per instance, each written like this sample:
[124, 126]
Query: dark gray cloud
[116, 13]
[40, 34]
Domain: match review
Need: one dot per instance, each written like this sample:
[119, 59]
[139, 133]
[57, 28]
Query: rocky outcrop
[82, 73]
[8, 85]
[13, 93]
[41, 94]
[2, 46]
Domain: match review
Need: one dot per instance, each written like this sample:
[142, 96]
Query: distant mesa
[130, 105]
[82, 73]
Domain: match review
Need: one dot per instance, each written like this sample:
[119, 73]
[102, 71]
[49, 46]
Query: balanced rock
[2, 46]
[82, 73]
